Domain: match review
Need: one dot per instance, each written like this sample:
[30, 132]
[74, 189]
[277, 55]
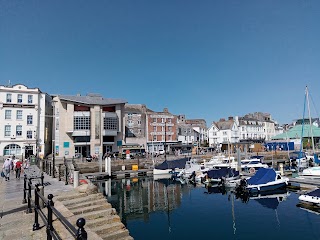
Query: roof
[225, 125]
[295, 132]
[92, 99]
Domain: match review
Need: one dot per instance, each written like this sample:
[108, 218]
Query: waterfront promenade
[102, 221]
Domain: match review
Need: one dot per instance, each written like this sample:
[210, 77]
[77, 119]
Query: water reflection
[164, 209]
[138, 197]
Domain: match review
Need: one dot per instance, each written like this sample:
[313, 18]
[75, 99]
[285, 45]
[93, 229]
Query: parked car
[161, 151]
[89, 158]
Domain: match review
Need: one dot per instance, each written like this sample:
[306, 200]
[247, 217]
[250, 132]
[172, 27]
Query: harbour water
[165, 209]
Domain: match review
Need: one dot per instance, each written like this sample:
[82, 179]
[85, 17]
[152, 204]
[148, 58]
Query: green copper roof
[296, 131]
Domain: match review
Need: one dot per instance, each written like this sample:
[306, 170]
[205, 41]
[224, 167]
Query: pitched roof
[296, 131]
[224, 125]
[92, 99]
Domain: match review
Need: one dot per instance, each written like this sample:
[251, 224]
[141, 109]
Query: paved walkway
[15, 223]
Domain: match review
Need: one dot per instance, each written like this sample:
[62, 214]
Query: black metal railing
[79, 234]
[27, 187]
[63, 170]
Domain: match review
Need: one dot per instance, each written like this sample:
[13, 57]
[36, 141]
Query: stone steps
[88, 204]
[117, 235]
[108, 228]
[98, 214]
[81, 199]
[102, 220]
[100, 217]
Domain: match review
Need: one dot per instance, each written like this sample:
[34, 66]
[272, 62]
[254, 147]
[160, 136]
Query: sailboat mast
[310, 120]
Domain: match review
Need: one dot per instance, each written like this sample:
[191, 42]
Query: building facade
[135, 124]
[87, 125]
[26, 114]
[161, 129]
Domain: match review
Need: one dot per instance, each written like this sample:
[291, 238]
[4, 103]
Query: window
[30, 98]
[129, 115]
[169, 128]
[12, 149]
[29, 134]
[81, 123]
[29, 119]
[111, 123]
[7, 130]
[139, 122]
[154, 138]
[19, 114]
[162, 120]
[18, 130]
[154, 120]
[169, 120]
[7, 114]
[9, 97]
[19, 99]
[154, 128]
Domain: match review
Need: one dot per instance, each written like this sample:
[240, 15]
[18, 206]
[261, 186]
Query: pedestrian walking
[18, 168]
[6, 168]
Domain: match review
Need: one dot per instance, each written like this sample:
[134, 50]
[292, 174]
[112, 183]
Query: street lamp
[53, 138]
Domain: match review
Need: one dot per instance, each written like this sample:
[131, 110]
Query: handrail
[79, 234]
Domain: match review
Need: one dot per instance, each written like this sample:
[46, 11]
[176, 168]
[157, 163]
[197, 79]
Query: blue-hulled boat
[311, 198]
[265, 179]
[170, 166]
[222, 174]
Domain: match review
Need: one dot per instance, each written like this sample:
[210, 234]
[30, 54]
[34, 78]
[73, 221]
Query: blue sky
[206, 59]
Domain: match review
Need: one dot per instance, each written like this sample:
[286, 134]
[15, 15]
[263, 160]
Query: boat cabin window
[278, 177]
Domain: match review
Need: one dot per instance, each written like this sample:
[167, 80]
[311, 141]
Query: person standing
[6, 167]
[18, 168]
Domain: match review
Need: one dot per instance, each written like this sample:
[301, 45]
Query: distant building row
[33, 122]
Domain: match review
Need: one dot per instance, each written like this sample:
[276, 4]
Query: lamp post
[53, 138]
[165, 141]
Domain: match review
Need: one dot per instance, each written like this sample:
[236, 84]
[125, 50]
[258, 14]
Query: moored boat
[311, 198]
[265, 179]
[170, 166]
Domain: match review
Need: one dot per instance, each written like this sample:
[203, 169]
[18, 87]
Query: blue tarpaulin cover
[262, 176]
[172, 164]
[222, 172]
[315, 193]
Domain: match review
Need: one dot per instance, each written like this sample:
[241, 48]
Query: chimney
[230, 118]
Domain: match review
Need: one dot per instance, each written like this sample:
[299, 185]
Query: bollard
[75, 179]
[36, 225]
[50, 172]
[49, 226]
[24, 200]
[29, 210]
[66, 175]
[281, 169]
[42, 178]
[41, 192]
[59, 174]
[81, 233]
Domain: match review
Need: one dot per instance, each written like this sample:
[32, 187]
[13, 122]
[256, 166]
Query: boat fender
[252, 170]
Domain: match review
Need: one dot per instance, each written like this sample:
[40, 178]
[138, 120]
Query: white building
[24, 121]
[87, 125]
[223, 132]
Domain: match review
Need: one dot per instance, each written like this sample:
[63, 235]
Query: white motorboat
[192, 166]
[311, 172]
[170, 166]
[265, 179]
[252, 165]
[311, 198]
[220, 161]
